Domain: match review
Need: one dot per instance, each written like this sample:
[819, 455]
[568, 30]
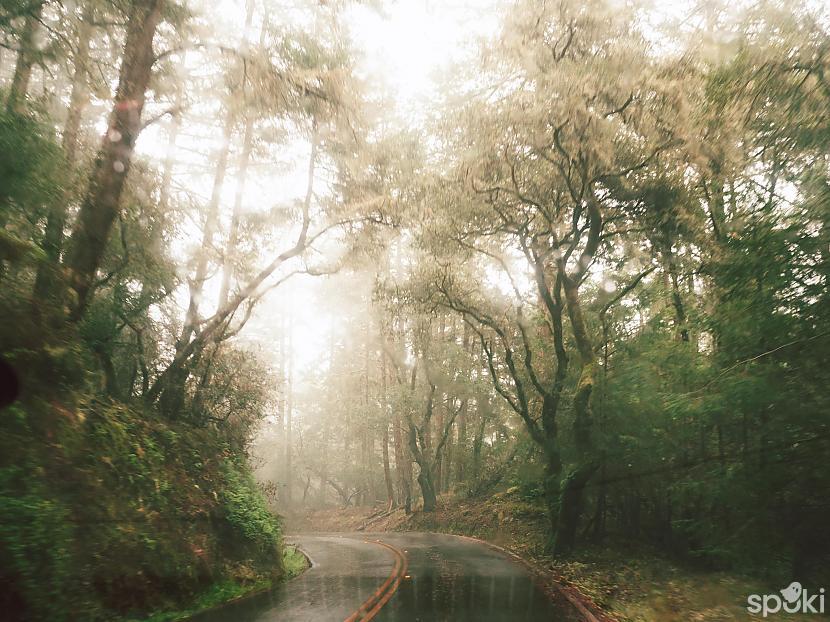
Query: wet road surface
[442, 578]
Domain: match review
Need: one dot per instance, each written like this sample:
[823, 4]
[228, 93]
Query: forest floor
[630, 583]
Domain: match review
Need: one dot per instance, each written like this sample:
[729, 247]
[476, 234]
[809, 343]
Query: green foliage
[32, 167]
[36, 547]
[172, 500]
[217, 594]
[294, 561]
[246, 511]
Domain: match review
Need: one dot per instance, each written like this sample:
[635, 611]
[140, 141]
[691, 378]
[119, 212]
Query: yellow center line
[372, 605]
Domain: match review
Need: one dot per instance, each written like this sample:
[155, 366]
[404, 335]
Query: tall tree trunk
[172, 397]
[478, 439]
[101, 204]
[279, 459]
[403, 464]
[572, 488]
[208, 233]
[461, 449]
[244, 160]
[367, 439]
[25, 60]
[461, 445]
[438, 470]
[289, 407]
[420, 448]
[387, 471]
[78, 100]
[449, 455]
[172, 138]
[233, 234]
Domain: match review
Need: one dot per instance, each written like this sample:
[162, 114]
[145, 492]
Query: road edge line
[538, 572]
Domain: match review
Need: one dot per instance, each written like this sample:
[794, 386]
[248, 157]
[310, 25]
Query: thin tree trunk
[438, 470]
[478, 439]
[449, 461]
[279, 459]
[461, 446]
[56, 219]
[289, 407]
[387, 471]
[244, 160]
[172, 137]
[366, 439]
[208, 233]
[26, 56]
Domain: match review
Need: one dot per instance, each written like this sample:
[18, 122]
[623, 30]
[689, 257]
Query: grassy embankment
[294, 562]
[109, 511]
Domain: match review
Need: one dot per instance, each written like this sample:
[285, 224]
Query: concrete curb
[311, 562]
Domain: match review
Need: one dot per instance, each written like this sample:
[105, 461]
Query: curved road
[401, 577]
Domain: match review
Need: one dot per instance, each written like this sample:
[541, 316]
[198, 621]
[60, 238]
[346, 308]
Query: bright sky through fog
[403, 47]
[411, 39]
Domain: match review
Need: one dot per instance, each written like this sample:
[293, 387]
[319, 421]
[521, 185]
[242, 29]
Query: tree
[78, 99]
[27, 55]
[101, 203]
[549, 185]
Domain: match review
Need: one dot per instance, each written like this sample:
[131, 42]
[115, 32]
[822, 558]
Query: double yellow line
[372, 605]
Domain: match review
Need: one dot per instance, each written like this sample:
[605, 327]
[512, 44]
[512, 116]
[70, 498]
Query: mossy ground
[110, 512]
[294, 562]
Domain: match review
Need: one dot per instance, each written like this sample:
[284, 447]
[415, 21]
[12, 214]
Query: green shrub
[35, 543]
[246, 512]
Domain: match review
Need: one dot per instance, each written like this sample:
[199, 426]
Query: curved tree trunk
[101, 204]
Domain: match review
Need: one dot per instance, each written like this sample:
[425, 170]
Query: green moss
[35, 540]
[295, 563]
[215, 595]
[246, 511]
[111, 511]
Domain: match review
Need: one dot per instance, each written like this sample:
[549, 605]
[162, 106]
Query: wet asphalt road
[448, 578]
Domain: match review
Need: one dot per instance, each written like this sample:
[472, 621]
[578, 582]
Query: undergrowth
[108, 510]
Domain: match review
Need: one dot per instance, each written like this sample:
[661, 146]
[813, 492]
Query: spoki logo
[793, 599]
